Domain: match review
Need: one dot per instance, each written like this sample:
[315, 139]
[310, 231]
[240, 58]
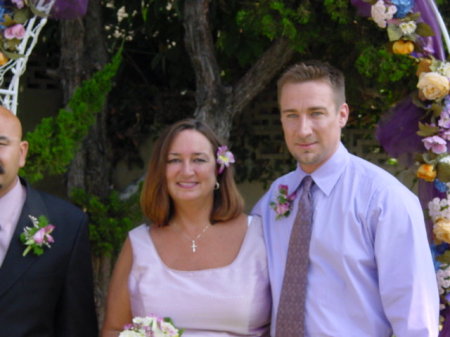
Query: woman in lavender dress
[202, 261]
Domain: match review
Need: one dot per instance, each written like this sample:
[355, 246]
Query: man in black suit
[48, 294]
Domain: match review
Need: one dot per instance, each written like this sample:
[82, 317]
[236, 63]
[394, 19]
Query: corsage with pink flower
[224, 158]
[38, 236]
[283, 202]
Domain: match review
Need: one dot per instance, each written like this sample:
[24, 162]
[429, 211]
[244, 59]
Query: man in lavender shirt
[370, 267]
[47, 295]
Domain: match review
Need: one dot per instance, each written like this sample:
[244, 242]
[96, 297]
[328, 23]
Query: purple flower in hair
[224, 158]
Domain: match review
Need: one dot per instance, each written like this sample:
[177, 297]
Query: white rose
[408, 28]
[381, 13]
[444, 69]
[433, 85]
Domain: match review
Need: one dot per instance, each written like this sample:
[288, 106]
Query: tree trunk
[218, 104]
[83, 52]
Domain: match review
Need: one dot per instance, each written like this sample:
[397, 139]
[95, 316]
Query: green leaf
[36, 11]
[22, 15]
[394, 32]
[443, 171]
[444, 258]
[426, 130]
[424, 30]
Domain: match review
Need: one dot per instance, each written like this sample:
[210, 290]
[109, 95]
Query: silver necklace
[193, 241]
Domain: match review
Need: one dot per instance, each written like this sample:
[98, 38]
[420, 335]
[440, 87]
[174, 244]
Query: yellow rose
[403, 47]
[433, 85]
[426, 172]
[441, 229]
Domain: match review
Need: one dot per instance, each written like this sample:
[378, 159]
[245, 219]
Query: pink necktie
[291, 309]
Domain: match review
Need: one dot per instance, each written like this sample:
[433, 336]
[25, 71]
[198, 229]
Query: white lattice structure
[10, 73]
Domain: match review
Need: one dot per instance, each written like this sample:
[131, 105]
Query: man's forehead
[10, 126]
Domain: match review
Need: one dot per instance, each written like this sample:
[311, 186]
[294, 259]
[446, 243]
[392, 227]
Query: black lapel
[15, 264]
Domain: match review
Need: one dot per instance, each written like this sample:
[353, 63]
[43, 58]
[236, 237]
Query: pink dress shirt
[11, 206]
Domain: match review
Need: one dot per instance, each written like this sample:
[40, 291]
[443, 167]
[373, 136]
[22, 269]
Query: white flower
[382, 13]
[444, 69]
[408, 28]
[129, 333]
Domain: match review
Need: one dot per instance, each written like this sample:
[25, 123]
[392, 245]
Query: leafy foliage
[55, 140]
[109, 219]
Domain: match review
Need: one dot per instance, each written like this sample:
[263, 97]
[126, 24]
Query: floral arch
[419, 127]
[21, 21]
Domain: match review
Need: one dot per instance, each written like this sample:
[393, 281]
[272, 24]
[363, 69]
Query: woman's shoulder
[139, 230]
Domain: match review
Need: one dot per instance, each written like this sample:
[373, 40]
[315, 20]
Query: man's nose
[304, 127]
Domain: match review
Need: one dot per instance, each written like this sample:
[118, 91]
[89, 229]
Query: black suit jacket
[50, 295]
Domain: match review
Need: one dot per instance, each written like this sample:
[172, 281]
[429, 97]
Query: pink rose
[283, 189]
[281, 209]
[43, 235]
[15, 32]
[435, 144]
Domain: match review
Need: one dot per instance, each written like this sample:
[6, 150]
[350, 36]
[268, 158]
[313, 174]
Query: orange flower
[423, 66]
[403, 47]
[426, 172]
[3, 59]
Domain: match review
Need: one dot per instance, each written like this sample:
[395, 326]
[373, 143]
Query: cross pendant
[194, 246]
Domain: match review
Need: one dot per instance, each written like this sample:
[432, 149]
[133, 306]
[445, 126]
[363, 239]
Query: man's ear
[23, 148]
[343, 112]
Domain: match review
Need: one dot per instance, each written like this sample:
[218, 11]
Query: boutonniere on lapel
[38, 236]
[283, 203]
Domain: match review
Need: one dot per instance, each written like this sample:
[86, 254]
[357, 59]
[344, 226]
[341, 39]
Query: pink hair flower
[15, 32]
[224, 158]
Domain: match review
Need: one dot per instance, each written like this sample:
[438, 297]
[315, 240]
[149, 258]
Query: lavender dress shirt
[10, 207]
[371, 271]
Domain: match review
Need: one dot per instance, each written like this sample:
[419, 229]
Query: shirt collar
[327, 175]
[11, 203]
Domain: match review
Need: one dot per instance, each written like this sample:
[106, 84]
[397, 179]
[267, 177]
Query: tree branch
[200, 47]
[261, 74]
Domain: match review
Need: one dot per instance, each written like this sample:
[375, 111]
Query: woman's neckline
[237, 257]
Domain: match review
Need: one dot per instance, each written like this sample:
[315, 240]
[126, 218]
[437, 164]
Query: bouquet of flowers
[151, 326]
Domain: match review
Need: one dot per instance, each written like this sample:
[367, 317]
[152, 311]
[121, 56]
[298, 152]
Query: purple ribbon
[69, 9]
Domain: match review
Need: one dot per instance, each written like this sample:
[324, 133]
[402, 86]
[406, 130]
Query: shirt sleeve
[407, 280]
